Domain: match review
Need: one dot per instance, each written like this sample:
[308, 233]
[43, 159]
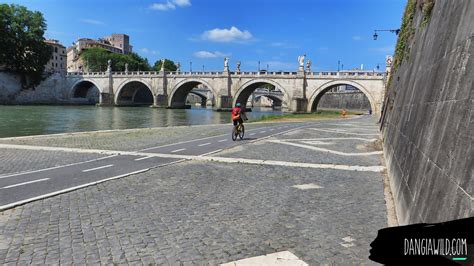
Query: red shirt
[236, 111]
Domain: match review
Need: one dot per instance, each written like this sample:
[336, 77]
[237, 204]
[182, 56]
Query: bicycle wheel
[234, 133]
[242, 131]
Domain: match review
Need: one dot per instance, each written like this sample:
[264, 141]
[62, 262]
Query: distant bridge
[299, 91]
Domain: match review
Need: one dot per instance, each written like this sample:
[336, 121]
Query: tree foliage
[268, 86]
[169, 65]
[22, 46]
[95, 60]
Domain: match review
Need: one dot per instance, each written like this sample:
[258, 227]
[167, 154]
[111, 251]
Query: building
[115, 43]
[121, 41]
[58, 60]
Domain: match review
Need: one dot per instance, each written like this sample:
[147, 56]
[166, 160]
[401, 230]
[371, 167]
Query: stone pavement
[208, 213]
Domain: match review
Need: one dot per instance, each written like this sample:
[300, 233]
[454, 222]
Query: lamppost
[190, 66]
[258, 66]
[268, 68]
[338, 65]
[396, 31]
[202, 68]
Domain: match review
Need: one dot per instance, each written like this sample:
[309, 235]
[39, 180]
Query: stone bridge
[301, 91]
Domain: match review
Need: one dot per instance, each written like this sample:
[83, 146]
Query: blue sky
[273, 32]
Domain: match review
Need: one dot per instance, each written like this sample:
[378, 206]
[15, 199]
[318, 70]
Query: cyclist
[238, 115]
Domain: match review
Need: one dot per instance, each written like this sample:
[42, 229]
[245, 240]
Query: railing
[321, 74]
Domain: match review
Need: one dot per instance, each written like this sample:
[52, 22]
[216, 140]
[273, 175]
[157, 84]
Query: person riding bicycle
[238, 115]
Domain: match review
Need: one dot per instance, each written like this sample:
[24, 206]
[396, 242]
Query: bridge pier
[299, 105]
[160, 101]
[106, 99]
[223, 103]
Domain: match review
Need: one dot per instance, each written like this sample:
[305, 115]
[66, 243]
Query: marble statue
[109, 65]
[162, 65]
[301, 62]
[226, 64]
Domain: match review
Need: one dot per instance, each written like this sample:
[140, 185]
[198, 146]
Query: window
[55, 49]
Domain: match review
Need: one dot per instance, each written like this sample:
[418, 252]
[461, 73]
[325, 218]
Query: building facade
[115, 43]
[58, 61]
[121, 41]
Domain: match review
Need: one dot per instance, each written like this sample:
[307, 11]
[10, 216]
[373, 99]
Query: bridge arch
[85, 91]
[134, 92]
[319, 92]
[82, 87]
[243, 93]
[200, 95]
[277, 101]
[177, 97]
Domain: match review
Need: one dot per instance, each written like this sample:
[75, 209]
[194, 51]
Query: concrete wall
[428, 129]
[348, 100]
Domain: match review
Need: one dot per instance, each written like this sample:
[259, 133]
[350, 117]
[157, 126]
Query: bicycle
[238, 130]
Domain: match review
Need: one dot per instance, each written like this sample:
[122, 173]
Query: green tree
[138, 63]
[22, 46]
[169, 65]
[268, 86]
[95, 60]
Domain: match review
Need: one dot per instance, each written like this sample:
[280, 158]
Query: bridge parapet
[243, 74]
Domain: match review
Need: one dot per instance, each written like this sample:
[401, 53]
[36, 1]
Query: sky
[200, 33]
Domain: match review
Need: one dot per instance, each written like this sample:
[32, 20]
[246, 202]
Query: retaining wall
[427, 122]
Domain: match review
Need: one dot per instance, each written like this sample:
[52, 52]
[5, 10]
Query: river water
[28, 120]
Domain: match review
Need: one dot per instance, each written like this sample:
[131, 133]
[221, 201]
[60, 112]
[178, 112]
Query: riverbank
[316, 116]
[306, 188]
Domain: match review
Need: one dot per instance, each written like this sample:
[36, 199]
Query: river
[28, 120]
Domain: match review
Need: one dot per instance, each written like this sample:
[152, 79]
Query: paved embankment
[313, 189]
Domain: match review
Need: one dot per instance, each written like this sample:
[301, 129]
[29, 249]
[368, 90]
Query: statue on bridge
[126, 68]
[301, 62]
[162, 69]
[238, 67]
[308, 65]
[109, 65]
[178, 67]
[226, 64]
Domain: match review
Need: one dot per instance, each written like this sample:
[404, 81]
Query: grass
[319, 115]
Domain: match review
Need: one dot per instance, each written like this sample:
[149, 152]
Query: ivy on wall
[427, 8]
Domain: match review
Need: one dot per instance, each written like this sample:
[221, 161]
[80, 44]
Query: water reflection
[35, 120]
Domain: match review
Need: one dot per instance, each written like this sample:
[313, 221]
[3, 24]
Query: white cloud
[148, 51]
[182, 2]
[226, 35]
[357, 38]
[92, 21]
[170, 5]
[207, 54]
